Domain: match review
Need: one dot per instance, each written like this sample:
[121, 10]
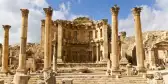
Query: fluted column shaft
[138, 39]
[47, 42]
[5, 52]
[114, 53]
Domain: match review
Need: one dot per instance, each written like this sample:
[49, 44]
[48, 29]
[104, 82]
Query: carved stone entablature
[6, 27]
[136, 11]
[25, 12]
[115, 10]
[48, 11]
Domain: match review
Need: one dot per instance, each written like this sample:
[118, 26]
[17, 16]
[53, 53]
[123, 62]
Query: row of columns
[114, 57]
[21, 70]
[22, 56]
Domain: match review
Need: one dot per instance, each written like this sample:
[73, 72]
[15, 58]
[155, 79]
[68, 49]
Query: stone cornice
[115, 10]
[25, 12]
[136, 11]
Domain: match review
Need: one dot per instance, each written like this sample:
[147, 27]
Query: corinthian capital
[6, 27]
[43, 22]
[48, 11]
[136, 11]
[115, 9]
[25, 12]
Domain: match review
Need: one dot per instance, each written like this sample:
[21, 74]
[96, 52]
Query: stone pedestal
[21, 79]
[114, 46]
[129, 70]
[5, 53]
[47, 40]
[138, 39]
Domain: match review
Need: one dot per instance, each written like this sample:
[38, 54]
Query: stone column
[0, 53]
[105, 37]
[22, 55]
[42, 32]
[59, 43]
[92, 52]
[97, 52]
[5, 52]
[114, 47]
[138, 39]
[47, 40]
[152, 58]
[54, 54]
[20, 77]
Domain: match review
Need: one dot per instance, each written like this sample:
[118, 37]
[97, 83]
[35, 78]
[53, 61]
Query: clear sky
[154, 15]
[99, 9]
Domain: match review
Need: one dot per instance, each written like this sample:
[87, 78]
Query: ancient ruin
[85, 51]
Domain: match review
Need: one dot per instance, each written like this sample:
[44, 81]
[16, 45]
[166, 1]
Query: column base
[21, 71]
[115, 72]
[141, 71]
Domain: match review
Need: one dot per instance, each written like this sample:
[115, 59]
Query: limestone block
[67, 81]
[49, 77]
[159, 82]
[21, 79]
[40, 82]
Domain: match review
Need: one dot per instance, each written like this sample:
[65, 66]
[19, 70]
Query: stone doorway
[160, 53]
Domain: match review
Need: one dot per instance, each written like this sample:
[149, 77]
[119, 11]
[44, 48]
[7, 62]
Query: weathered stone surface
[67, 81]
[1, 81]
[158, 76]
[49, 77]
[21, 79]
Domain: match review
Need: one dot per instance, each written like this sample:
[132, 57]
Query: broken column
[5, 52]
[47, 40]
[20, 76]
[114, 46]
[42, 32]
[105, 37]
[59, 42]
[138, 39]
